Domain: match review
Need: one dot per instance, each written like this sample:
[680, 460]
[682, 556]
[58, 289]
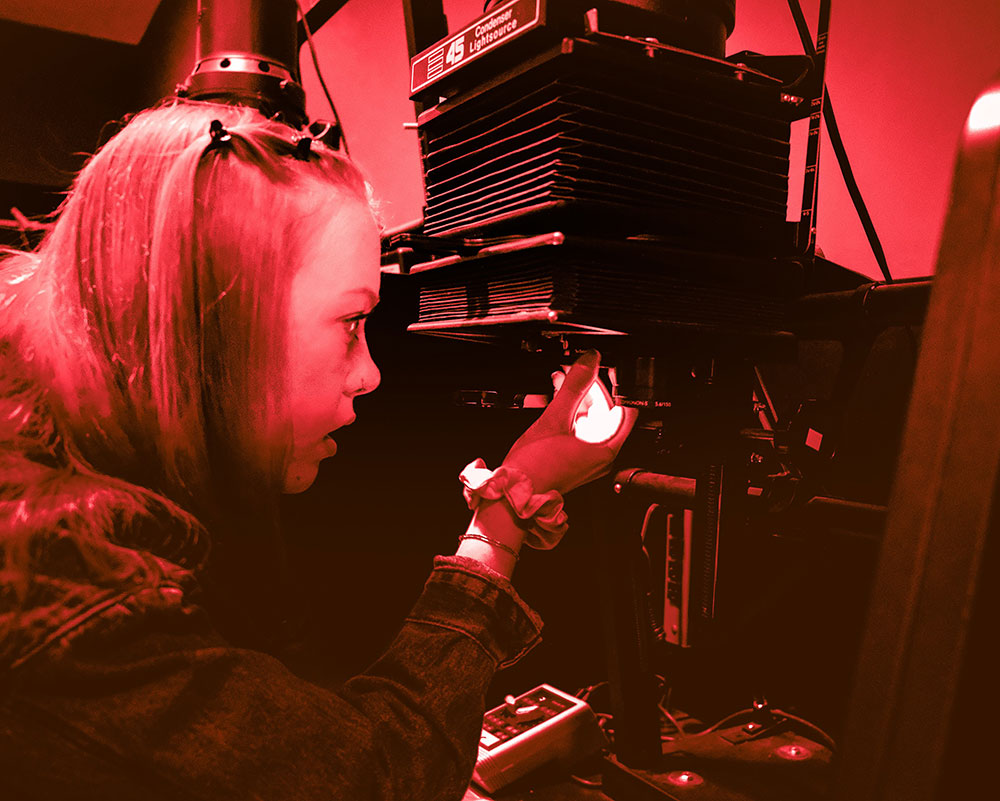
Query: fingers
[586, 407]
[557, 380]
[583, 372]
[574, 386]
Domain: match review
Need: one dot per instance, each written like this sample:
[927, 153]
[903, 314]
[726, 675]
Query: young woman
[173, 357]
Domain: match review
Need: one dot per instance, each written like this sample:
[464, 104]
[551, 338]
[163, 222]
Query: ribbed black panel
[614, 137]
[623, 287]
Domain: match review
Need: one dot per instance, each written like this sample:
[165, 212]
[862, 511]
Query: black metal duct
[247, 52]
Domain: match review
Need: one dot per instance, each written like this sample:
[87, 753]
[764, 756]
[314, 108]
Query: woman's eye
[354, 325]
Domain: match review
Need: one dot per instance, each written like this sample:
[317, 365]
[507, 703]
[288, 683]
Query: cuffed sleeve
[151, 698]
[465, 595]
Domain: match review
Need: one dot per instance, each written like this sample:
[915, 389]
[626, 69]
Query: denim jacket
[132, 694]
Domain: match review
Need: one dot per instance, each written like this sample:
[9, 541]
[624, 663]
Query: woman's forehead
[340, 216]
[341, 261]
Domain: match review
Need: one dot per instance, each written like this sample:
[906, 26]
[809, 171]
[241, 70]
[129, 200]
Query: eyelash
[354, 325]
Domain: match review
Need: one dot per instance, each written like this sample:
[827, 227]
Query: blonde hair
[150, 323]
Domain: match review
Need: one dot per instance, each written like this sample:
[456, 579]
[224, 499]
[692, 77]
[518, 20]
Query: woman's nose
[367, 376]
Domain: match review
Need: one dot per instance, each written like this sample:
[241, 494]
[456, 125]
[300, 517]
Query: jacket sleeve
[157, 698]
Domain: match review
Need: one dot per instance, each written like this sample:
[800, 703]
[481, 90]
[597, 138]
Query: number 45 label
[455, 52]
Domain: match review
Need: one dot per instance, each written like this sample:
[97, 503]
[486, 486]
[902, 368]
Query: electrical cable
[828, 741]
[664, 703]
[322, 83]
[602, 722]
[673, 721]
[837, 142]
[585, 693]
[727, 719]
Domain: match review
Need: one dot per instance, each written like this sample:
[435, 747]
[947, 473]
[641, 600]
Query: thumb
[574, 387]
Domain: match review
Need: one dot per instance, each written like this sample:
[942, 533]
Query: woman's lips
[346, 423]
[328, 446]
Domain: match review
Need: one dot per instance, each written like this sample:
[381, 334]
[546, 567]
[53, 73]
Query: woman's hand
[574, 441]
[578, 435]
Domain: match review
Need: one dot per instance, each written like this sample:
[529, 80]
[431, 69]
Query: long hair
[144, 341]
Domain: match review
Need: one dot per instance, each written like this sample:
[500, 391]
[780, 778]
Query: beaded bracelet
[491, 541]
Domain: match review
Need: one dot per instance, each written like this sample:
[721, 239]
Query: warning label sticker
[501, 25]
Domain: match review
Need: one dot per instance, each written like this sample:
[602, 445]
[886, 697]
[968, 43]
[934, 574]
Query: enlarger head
[701, 26]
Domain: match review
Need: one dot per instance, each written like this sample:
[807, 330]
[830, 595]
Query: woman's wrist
[496, 537]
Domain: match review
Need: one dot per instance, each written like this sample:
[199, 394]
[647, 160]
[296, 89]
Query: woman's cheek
[321, 359]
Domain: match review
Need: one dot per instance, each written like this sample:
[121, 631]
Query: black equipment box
[561, 282]
[606, 133]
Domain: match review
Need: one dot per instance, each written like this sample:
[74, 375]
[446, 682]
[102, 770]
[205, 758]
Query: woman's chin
[300, 476]
[302, 471]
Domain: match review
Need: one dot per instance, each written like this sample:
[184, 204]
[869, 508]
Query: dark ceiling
[122, 21]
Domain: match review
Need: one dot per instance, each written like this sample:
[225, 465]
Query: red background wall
[902, 75]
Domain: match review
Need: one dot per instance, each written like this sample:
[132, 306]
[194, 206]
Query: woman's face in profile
[332, 293]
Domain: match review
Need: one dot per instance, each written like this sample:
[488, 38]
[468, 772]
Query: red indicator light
[796, 753]
[684, 778]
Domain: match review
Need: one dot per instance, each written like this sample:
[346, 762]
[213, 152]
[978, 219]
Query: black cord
[779, 715]
[322, 83]
[840, 151]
